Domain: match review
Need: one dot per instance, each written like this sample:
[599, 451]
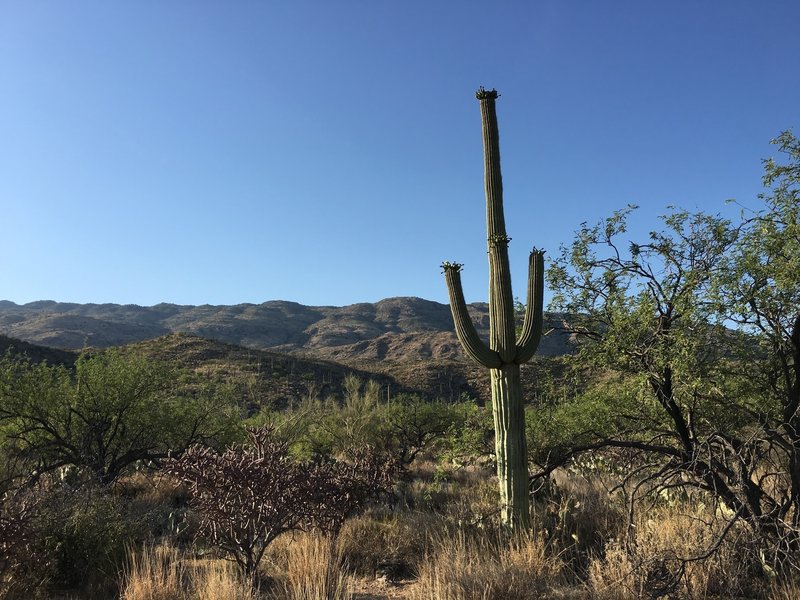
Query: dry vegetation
[447, 548]
[434, 537]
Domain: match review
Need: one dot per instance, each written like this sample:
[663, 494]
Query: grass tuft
[477, 567]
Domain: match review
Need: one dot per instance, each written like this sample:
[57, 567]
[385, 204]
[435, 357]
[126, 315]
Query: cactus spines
[504, 353]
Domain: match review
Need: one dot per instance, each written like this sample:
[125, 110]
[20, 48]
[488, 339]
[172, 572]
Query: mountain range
[395, 329]
[286, 349]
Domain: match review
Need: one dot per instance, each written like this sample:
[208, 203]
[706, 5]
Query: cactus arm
[532, 326]
[474, 347]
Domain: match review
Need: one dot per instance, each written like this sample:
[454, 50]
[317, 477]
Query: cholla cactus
[250, 494]
[504, 353]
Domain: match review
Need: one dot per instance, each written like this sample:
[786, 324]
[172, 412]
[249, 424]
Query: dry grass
[455, 554]
[157, 573]
[664, 539]
[477, 567]
[308, 567]
[784, 590]
[614, 577]
[390, 543]
[164, 573]
[219, 580]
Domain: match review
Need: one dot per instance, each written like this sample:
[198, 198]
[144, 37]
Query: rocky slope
[392, 330]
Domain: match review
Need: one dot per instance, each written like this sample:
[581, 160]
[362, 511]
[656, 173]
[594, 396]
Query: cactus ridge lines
[504, 353]
[503, 342]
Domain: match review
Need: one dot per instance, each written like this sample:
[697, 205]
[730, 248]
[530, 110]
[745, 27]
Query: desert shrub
[409, 426]
[406, 427]
[471, 439]
[250, 494]
[82, 537]
[112, 414]
[54, 537]
[159, 505]
[17, 560]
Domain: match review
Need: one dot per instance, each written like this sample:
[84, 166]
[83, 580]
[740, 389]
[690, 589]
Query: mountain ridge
[393, 329]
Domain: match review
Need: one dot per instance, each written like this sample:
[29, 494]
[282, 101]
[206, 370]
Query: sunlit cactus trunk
[504, 353]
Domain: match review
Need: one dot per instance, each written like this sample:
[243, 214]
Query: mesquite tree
[505, 353]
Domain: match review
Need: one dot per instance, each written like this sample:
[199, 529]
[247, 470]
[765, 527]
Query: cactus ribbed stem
[533, 323]
[510, 447]
[502, 324]
[492, 180]
[465, 329]
[504, 354]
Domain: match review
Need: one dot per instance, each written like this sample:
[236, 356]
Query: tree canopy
[113, 411]
[700, 323]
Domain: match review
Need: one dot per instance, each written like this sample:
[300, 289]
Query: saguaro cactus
[505, 353]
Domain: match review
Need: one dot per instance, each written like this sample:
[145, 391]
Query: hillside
[394, 329]
[267, 377]
[37, 353]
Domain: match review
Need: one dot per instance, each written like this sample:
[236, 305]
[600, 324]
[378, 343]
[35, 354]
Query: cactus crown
[483, 93]
[499, 239]
[451, 266]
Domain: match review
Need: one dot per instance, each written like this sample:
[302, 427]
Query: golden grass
[220, 580]
[455, 554]
[784, 590]
[477, 567]
[664, 538]
[389, 542]
[157, 573]
[308, 567]
[164, 573]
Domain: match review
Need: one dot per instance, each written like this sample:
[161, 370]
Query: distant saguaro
[505, 353]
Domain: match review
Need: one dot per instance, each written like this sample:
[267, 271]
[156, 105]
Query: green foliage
[111, 413]
[712, 408]
[761, 291]
[404, 427]
[471, 438]
[411, 426]
[556, 430]
[83, 537]
[643, 308]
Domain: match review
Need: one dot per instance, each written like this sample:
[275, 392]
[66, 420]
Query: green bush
[83, 537]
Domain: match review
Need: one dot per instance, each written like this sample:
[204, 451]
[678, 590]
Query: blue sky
[329, 152]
